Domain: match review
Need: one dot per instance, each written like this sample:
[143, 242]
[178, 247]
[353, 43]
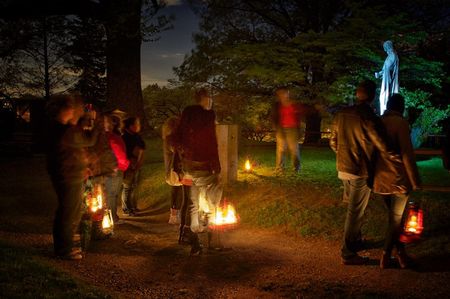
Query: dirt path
[143, 259]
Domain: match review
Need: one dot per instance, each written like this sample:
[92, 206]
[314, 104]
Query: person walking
[197, 142]
[394, 186]
[355, 136]
[67, 166]
[135, 147]
[286, 120]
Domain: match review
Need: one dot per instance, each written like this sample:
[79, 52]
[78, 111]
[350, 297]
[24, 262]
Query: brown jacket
[405, 177]
[356, 135]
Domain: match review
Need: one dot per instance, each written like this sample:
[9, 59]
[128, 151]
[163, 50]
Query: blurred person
[197, 142]
[67, 167]
[357, 133]
[135, 147]
[286, 120]
[395, 184]
[180, 199]
[113, 181]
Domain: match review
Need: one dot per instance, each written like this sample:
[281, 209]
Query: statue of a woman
[389, 74]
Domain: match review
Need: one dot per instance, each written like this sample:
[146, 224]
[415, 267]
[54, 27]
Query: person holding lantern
[286, 120]
[197, 143]
[357, 133]
[394, 184]
[67, 166]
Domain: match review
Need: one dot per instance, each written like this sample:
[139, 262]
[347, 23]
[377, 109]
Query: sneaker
[355, 260]
[196, 247]
[173, 218]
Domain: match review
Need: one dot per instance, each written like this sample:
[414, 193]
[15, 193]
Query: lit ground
[143, 259]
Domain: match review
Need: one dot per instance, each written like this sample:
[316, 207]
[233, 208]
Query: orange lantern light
[413, 226]
[247, 165]
[224, 217]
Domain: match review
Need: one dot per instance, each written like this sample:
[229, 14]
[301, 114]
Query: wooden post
[227, 140]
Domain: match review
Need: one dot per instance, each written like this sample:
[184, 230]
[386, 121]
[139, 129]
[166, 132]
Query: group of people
[82, 144]
[374, 155]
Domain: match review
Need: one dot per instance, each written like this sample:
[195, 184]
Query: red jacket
[118, 146]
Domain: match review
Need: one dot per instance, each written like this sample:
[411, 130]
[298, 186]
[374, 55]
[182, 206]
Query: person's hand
[376, 75]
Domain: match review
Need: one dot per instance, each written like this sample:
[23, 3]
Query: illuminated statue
[389, 74]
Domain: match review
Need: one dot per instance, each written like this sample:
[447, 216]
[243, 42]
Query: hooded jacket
[405, 176]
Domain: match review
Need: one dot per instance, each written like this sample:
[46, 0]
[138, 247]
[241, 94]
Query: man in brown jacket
[395, 184]
[357, 133]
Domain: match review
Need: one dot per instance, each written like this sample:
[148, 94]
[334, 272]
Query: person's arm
[138, 152]
[377, 135]
[215, 163]
[78, 138]
[407, 153]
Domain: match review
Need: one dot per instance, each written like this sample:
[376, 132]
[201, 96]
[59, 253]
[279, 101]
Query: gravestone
[227, 140]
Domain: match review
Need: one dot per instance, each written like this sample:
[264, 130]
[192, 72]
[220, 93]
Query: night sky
[158, 58]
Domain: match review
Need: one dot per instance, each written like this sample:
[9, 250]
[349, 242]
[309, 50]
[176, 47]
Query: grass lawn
[308, 204]
[23, 276]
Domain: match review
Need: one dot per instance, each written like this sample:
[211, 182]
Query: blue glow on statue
[389, 74]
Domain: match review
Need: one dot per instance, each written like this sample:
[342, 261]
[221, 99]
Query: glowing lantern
[96, 202]
[107, 222]
[224, 217]
[413, 226]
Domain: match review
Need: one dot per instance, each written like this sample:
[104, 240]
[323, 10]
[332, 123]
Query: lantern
[107, 222]
[413, 225]
[224, 217]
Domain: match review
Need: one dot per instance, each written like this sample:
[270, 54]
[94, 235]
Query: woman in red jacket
[113, 183]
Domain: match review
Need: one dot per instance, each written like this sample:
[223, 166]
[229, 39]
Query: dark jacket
[132, 142]
[355, 136]
[196, 138]
[405, 177]
[66, 151]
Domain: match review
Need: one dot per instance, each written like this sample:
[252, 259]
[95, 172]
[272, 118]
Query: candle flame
[248, 165]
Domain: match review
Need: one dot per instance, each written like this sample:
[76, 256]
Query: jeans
[396, 205]
[68, 215]
[207, 183]
[113, 188]
[130, 182]
[358, 196]
[287, 139]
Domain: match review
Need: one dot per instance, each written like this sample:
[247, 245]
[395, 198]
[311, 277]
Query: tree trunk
[46, 66]
[123, 57]
[312, 129]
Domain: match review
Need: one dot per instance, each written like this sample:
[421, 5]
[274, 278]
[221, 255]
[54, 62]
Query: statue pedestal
[227, 140]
